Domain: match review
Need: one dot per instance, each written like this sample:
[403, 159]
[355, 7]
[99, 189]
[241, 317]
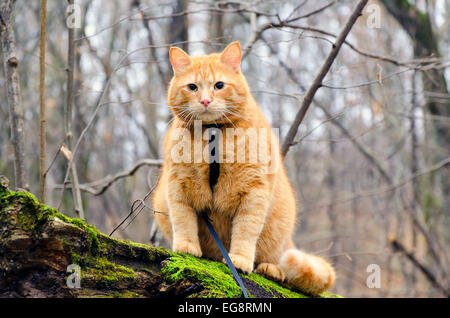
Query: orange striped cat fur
[254, 212]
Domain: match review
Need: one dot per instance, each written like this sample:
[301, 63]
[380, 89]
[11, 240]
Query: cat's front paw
[240, 262]
[187, 247]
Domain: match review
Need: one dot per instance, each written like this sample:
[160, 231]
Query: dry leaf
[66, 152]
[379, 77]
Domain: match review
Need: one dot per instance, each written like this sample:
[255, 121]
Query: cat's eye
[219, 85]
[192, 87]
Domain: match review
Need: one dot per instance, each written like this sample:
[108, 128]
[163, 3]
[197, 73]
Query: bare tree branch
[423, 64]
[397, 246]
[105, 183]
[317, 83]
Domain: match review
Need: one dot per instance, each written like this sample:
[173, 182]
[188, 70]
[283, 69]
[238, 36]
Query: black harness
[214, 173]
[214, 160]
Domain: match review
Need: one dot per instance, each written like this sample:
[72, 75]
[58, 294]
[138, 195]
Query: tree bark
[10, 64]
[76, 193]
[46, 254]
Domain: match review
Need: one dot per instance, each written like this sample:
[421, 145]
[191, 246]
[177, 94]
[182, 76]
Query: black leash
[214, 172]
[225, 254]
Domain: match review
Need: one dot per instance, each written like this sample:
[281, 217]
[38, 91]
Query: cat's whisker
[170, 121]
[180, 115]
[191, 117]
[235, 114]
[227, 118]
[180, 107]
[187, 114]
[183, 111]
[235, 103]
[231, 107]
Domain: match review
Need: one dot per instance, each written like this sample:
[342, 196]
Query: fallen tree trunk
[46, 254]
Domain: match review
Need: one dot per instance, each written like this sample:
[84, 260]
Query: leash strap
[224, 254]
[214, 172]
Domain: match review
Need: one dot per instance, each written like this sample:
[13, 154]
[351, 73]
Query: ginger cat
[253, 212]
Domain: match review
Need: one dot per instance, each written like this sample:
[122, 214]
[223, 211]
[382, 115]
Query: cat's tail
[309, 273]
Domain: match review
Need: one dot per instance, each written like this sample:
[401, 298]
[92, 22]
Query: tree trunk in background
[42, 105]
[331, 185]
[68, 114]
[216, 30]
[354, 244]
[10, 64]
[418, 26]
[178, 25]
[414, 170]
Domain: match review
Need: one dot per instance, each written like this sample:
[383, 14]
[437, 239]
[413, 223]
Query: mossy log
[38, 244]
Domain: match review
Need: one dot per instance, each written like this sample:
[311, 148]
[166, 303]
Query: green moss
[93, 233]
[76, 258]
[60, 216]
[29, 218]
[34, 214]
[154, 253]
[102, 270]
[215, 277]
[218, 280]
[330, 295]
[115, 294]
[273, 288]
[286, 291]
[94, 242]
[130, 243]
[126, 294]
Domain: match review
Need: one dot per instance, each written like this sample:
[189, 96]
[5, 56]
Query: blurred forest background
[370, 162]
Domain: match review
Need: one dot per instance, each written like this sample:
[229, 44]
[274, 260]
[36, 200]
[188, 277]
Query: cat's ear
[231, 56]
[179, 59]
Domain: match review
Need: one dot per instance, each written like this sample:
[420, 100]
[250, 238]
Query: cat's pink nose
[205, 102]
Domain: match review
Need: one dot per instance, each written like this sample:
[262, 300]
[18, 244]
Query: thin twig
[133, 209]
[392, 187]
[397, 246]
[312, 12]
[42, 122]
[55, 156]
[108, 181]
